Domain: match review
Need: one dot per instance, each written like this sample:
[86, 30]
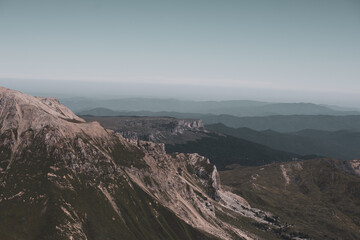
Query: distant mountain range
[340, 144]
[291, 123]
[189, 136]
[279, 123]
[239, 108]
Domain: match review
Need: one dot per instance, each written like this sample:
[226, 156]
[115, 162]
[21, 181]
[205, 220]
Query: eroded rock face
[62, 178]
[189, 124]
[355, 165]
[155, 129]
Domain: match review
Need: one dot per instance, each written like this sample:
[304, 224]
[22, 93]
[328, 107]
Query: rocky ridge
[155, 129]
[63, 178]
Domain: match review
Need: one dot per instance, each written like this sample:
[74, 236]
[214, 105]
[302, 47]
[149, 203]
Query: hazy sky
[305, 46]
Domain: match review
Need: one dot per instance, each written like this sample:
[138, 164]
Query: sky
[278, 50]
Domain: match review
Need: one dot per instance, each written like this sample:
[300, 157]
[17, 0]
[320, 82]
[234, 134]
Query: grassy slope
[226, 150]
[338, 144]
[30, 216]
[321, 199]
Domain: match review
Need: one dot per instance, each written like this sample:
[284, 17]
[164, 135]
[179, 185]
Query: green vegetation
[127, 156]
[39, 210]
[5, 150]
[247, 224]
[339, 144]
[141, 216]
[226, 150]
[322, 198]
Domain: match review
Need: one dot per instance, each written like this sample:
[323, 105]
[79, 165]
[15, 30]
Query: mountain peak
[21, 112]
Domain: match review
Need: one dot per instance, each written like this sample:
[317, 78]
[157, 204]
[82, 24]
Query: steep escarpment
[189, 136]
[63, 178]
[155, 129]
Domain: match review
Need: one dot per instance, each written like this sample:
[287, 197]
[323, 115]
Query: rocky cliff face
[63, 178]
[155, 129]
[355, 166]
[189, 124]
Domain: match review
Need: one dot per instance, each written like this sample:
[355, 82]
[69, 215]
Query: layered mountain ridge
[342, 144]
[155, 129]
[192, 137]
[240, 108]
[63, 178]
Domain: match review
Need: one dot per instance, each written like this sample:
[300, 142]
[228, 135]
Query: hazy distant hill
[101, 112]
[105, 112]
[280, 123]
[291, 123]
[338, 144]
[235, 107]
